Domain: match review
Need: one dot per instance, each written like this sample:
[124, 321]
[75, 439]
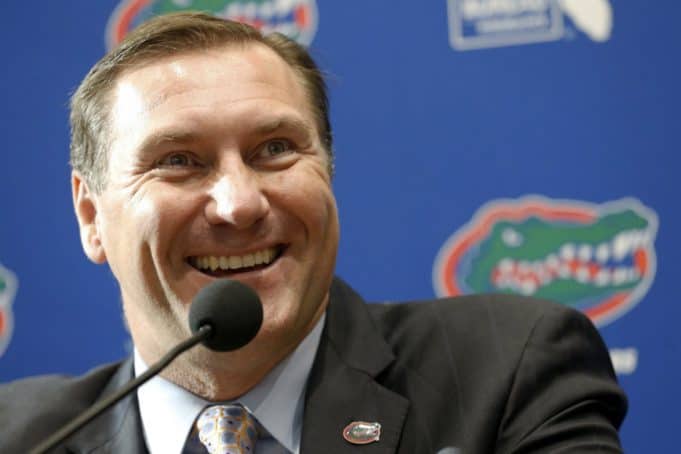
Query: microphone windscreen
[232, 309]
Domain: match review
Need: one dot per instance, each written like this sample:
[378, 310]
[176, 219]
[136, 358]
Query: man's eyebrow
[263, 128]
[159, 138]
[282, 123]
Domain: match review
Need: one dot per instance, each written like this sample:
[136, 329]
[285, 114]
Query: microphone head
[232, 309]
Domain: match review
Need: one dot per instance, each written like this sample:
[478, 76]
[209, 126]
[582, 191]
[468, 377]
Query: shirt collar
[168, 411]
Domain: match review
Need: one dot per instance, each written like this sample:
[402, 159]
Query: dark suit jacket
[484, 374]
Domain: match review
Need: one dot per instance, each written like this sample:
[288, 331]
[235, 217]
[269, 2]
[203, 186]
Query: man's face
[215, 170]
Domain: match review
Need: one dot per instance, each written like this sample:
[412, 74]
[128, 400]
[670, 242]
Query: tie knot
[227, 429]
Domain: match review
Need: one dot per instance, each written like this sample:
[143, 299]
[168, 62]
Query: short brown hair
[162, 36]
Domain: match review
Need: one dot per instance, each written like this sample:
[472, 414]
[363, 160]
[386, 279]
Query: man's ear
[86, 212]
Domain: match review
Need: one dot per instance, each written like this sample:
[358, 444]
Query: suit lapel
[342, 386]
[118, 429]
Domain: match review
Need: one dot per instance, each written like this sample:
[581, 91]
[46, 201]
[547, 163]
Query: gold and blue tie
[227, 429]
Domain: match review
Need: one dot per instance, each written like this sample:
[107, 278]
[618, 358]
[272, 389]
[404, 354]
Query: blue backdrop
[520, 146]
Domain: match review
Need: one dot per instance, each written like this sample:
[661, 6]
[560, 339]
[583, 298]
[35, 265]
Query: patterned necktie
[227, 429]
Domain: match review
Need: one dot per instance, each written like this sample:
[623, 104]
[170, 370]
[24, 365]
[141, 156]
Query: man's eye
[275, 147]
[177, 160]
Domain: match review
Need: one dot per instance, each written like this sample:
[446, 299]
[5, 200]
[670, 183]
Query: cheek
[322, 215]
[307, 196]
[145, 214]
[163, 217]
[140, 222]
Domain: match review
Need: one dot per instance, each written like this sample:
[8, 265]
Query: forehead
[210, 79]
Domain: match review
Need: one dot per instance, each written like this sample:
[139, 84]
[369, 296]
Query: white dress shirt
[168, 411]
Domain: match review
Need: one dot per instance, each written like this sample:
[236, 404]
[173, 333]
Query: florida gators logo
[296, 19]
[8, 287]
[598, 258]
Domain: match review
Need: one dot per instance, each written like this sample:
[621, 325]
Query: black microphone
[232, 309]
[225, 315]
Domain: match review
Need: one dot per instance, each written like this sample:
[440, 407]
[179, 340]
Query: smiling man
[202, 150]
[214, 164]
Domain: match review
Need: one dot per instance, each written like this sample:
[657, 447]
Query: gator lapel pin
[361, 432]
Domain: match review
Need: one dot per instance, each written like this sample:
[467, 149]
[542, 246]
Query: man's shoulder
[57, 388]
[499, 311]
[33, 407]
[493, 330]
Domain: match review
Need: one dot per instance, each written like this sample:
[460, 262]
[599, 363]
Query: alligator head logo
[296, 19]
[599, 259]
[8, 287]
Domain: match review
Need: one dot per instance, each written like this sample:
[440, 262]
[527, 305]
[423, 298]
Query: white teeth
[602, 278]
[506, 265]
[621, 245]
[602, 253]
[574, 261]
[582, 274]
[619, 276]
[626, 243]
[585, 252]
[528, 287]
[234, 262]
[224, 262]
[567, 251]
[284, 6]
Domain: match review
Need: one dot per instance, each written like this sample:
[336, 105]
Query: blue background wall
[426, 134]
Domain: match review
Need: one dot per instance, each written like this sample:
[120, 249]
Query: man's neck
[223, 376]
[277, 401]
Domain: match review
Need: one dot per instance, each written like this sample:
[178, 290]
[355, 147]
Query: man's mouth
[222, 265]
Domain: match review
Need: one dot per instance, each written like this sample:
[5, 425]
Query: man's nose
[236, 198]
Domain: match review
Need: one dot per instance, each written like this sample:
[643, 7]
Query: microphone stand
[203, 333]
